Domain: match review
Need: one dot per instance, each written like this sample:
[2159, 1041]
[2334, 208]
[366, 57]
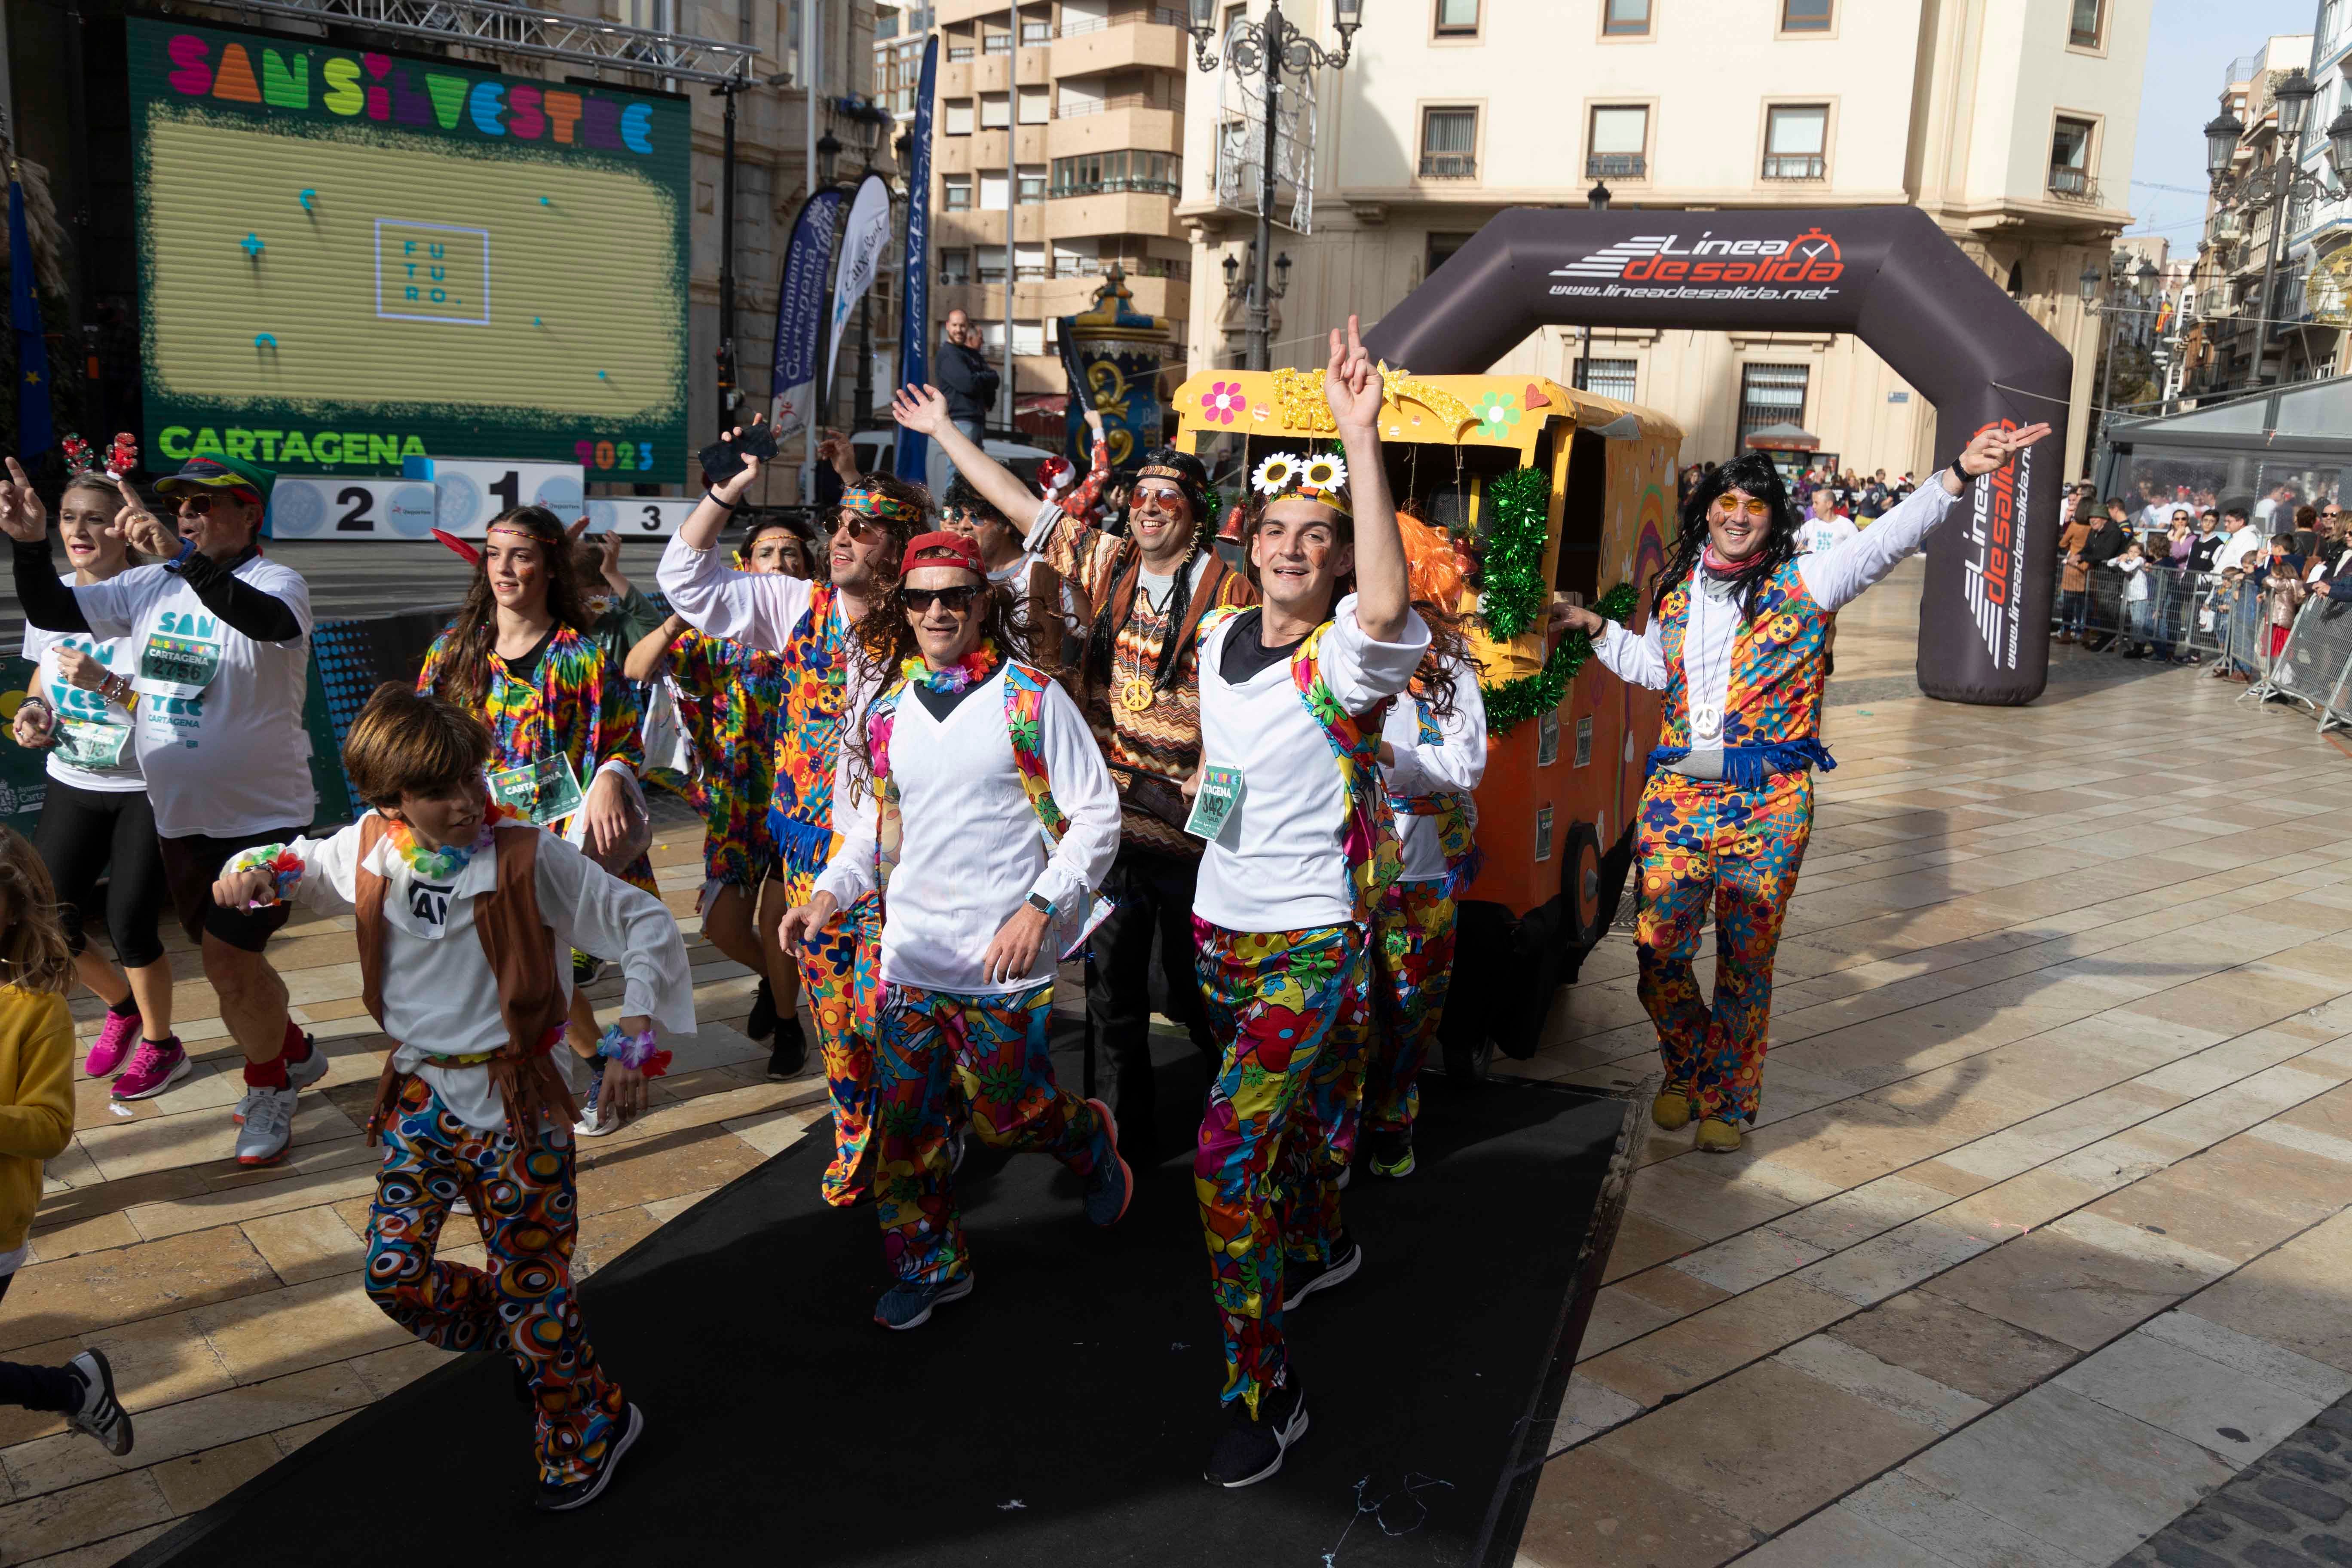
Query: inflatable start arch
[1887, 274]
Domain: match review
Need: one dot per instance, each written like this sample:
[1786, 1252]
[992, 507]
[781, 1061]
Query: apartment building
[2010, 121]
[1057, 150]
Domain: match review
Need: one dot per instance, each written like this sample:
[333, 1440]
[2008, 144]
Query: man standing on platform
[1302, 846]
[823, 687]
[1146, 593]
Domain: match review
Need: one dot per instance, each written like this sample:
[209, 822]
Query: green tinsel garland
[1511, 592]
[1514, 702]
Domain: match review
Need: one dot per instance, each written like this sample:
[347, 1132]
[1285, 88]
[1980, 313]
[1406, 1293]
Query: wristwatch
[1042, 904]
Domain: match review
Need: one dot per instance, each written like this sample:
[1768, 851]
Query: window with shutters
[1770, 394]
[1449, 144]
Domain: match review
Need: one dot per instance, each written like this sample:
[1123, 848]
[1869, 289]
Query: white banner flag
[862, 241]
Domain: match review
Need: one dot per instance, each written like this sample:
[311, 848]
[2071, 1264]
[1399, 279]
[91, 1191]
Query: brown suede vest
[517, 943]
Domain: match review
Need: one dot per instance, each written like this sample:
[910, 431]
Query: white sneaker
[269, 1127]
[301, 1075]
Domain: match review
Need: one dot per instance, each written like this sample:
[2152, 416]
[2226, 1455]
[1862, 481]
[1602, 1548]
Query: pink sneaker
[115, 1038]
[154, 1067]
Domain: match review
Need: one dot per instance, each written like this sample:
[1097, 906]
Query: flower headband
[1321, 477]
[879, 504]
[121, 457]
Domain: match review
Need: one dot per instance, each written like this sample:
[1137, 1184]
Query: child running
[465, 919]
[36, 1042]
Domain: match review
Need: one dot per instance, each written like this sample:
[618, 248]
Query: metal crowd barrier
[2186, 612]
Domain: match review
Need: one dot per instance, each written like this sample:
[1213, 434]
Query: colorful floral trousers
[840, 976]
[524, 1303]
[931, 1048]
[1293, 1011]
[1702, 840]
[1412, 969]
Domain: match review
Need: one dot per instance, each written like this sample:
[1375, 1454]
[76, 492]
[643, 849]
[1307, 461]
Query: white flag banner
[863, 238]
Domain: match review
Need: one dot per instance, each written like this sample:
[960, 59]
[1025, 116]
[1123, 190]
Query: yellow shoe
[1672, 1110]
[1718, 1137]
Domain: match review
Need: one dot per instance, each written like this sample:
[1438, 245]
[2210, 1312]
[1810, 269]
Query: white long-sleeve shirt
[1836, 577]
[970, 848]
[759, 608]
[1277, 863]
[440, 996]
[1454, 765]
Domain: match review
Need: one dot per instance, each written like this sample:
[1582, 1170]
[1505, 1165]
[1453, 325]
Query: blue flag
[799, 314]
[915, 266]
[36, 425]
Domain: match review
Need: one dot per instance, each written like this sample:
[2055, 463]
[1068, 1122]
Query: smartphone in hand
[723, 459]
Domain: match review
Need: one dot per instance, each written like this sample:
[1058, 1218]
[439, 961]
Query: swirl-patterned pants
[1702, 840]
[524, 1303]
[1293, 1012]
[838, 976]
[1412, 967]
[992, 1052]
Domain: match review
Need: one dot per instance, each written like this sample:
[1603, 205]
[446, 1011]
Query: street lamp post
[2127, 285]
[1271, 47]
[2276, 185]
[1595, 200]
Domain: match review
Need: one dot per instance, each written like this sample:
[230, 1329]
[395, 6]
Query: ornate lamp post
[2274, 186]
[1271, 47]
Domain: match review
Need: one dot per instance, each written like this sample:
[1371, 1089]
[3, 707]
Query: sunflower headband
[878, 504]
[1322, 477]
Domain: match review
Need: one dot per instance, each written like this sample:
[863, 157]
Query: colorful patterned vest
[1367, 840]
[1024, 700]
[1772, 709]
[808, 736]
[1456, 834]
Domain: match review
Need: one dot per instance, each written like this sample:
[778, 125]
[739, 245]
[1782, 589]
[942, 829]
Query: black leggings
[82, 832]
[51, 1388]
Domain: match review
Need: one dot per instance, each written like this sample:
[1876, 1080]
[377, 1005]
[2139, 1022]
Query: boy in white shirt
[978, 772]
[1302, 845]
[465, 925]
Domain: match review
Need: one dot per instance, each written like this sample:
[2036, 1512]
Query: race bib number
[1221, 796]
[545, 792]
[97, 748]
[178, 665]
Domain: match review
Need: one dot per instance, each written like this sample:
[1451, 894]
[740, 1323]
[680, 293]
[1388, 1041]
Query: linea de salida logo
[1811, 258]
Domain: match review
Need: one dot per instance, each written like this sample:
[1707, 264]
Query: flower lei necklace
[962, 676]
[444, 864]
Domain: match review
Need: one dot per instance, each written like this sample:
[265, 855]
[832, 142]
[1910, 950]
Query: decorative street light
[2274, 186]
[1271, 47]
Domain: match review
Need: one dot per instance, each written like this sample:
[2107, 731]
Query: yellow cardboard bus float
[1551, 491]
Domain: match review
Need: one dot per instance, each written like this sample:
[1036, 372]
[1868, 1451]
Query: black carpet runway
[1060, 1414]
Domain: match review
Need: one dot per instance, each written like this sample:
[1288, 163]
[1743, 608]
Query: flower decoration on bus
[1223, 402]
[1495, 413]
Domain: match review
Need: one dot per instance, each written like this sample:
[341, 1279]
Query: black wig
[1754, 473]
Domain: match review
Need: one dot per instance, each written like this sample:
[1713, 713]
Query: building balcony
[985, 149]
[1604, 166]
[2075, 185]
[1795, 166]
[1095, 213]
[1137, 127]
[970, 227]
[1136, 40]
[1040, 298]
[1449, 166]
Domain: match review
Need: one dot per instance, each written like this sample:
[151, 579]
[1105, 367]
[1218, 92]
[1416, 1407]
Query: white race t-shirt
[1454, 765]
[95, 747]
[1277, 864]
[220, 733]
[1817, 534]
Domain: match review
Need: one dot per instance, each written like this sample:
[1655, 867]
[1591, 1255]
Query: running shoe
[1301, 1280]
[115, 1038]
[908, 1305]
[299, 1076]
[1112, 1184]
[1249, 1450]
[154, 1066]
[791, 1052]
[99, 1414]
[269, 1127]
[1389, 1151]
[562, 1498]
[763, 1020]
[593, 1123]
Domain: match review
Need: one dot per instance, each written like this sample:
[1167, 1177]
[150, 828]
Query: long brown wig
[34, 952]
[466, 675]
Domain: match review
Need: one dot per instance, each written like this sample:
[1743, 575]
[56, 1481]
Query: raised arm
[925, 409]
[645, 660]
[1457, 761]
[756, 608]
[1383, 594]
[1837, 577]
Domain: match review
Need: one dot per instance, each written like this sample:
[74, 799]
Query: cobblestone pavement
[2284, 1511]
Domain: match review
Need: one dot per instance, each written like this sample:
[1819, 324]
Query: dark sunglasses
[958, 601]
[855, 524]
[201, 505]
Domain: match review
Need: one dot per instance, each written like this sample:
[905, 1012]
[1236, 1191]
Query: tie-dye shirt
[573, 706]
[731, 700]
